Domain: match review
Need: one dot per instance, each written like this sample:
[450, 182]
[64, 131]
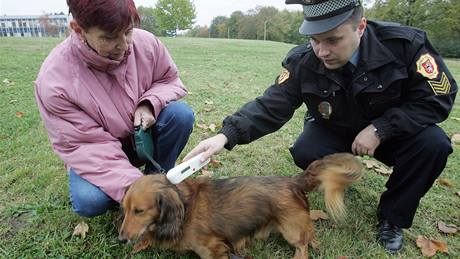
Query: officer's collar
[373, 53]
[370, 55]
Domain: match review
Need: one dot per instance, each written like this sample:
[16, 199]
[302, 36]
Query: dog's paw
[315, 244]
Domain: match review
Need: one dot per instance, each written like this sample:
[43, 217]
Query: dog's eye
[138, 211]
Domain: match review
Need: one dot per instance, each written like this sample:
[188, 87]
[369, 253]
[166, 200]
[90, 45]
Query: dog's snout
[121, 237]
[122, 240]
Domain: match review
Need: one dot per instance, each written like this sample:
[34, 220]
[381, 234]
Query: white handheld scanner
[187, 168]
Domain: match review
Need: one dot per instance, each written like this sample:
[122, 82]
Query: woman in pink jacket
[95, 87]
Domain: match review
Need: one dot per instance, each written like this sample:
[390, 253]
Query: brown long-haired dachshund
[214, 218]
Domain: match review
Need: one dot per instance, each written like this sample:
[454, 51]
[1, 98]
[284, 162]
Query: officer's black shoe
[390, 236]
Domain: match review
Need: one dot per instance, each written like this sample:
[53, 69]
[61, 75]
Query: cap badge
[427, 67]
[325, 109]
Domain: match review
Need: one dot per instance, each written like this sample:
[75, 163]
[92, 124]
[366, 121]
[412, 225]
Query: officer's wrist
[376, 133]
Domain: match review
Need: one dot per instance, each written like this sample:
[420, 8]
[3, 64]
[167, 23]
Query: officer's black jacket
[388, 89]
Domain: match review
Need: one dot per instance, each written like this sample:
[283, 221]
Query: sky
[206, 9]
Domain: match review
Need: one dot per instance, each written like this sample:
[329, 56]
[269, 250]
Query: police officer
[375, 89]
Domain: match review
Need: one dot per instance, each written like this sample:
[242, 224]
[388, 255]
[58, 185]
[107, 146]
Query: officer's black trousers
[417, 161]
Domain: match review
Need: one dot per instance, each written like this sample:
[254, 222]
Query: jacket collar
[91, 58]
[372, 54]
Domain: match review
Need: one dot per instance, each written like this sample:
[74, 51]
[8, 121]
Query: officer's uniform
[400, 85]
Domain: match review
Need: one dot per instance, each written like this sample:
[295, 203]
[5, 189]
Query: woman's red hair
[108, 15]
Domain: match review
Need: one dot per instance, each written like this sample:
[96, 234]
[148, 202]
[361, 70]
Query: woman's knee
[181, 114]
[88, 200]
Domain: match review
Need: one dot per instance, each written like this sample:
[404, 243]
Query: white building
[34, 25]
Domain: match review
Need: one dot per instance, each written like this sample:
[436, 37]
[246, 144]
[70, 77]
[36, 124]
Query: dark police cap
[324, 15]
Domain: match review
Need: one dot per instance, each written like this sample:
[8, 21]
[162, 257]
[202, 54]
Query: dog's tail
[333, 174]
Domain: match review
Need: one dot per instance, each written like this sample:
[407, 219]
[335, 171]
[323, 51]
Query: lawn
[35, 215]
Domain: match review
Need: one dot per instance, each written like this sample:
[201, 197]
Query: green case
[144, 143]
[144, 147]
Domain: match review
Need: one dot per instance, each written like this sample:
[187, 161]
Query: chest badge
[427, 67]
[283, 76]
[325, 109]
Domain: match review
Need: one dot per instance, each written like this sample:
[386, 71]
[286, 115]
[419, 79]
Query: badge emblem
[283, 76]
[427, 67]
[442, 86]
[325, 109]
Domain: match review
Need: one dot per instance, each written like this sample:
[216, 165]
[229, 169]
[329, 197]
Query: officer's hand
[209, 146]
[143, 116]
[365, 142]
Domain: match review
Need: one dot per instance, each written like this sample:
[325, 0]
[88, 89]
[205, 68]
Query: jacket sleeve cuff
[384, 129]
[232, 136]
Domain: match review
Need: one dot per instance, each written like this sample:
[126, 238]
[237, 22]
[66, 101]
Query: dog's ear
[172, 214]
[310, 175]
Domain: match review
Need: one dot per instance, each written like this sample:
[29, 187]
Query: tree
[248, 28]
[148, 21]
[174, 15]
[218, 28]
[198, 31]
[439, 18]
[291, 22]
[234, 23]
[266, 18]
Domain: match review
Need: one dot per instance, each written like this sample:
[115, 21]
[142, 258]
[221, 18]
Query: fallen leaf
[207, 102]
[342, 257]
[318, 214]
[208, 109]
[383, 170]
[447, 229]
[201, 126]
[430, 247]
[19, 114]
[206, 172]
[212, 127]
[215, 163]
[445, 182]
[455, 139]
[370, 164]
[7, 82]
[458, 193]
[377, 167]
[81, 229]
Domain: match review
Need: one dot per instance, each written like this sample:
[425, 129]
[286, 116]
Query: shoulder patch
[427, 67]
[442, 86]
[284, 75]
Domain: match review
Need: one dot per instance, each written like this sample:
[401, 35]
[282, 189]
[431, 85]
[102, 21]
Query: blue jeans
[170, 132]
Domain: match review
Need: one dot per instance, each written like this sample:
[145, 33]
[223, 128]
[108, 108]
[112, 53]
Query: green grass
[35, 215]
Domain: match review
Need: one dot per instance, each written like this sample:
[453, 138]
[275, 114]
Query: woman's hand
[143, 116]
[209, 146]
